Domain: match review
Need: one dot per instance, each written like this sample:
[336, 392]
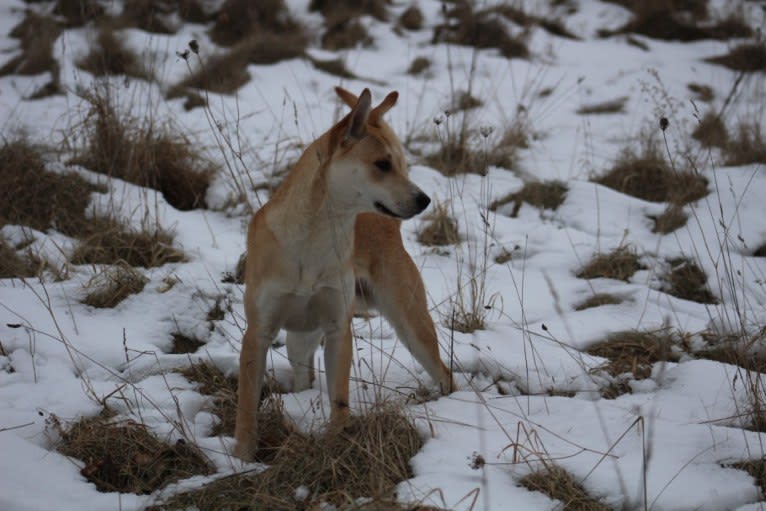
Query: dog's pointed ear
[347, 97]
[383, 107]
[357, 121]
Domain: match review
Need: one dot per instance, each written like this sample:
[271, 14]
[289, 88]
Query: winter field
[594, 255]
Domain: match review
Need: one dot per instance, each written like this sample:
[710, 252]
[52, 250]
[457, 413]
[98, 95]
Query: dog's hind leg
[252, 366]
[301, 347]
[400, 296]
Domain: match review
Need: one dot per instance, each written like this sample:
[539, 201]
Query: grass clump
[635, 351]
[378, 9]
[183, 344]
[481, 29]
[357, 467]
[153, 16]
[144, 153]
[124, 456]
[686, 280]
[746, 57]
[441, 228]
[672, 218]
[543, 195]
[37, 33]
[109, 241]
[344, 32]
[32, 196]
[747, 146]
[112, 285]
[701, 92]
[597, 300]
[77, 13]
[619, 264]
[648, 176]
[411, 18]
[418, 66]
[612, 106]
[17, 266]
[711, 131]
[558, 484]
[240, 19]
[212, 382]
[109, 56]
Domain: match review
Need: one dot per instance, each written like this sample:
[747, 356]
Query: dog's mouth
[380, 207]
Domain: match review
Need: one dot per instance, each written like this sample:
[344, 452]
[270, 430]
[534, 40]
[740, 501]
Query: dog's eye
[383, 165]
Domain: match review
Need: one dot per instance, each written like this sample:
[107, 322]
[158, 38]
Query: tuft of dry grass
[344, 32]
[745, 351]
[635, 351]
[711, 131]
[112, 285]
[441, 228]
[686, 280]
[32, 196]
[212, 382]
[144, 153]
[77, 13]
[612, 106]
[36, 33]
[481, 29]
[149, 15]
[418, 66]
[351, 8]
[701, 92]
[357, 467]
[648, 176]
[110, 56]
[109, 241]
[239, 19]
[18, 266]
[558, 484]
[183, 344]
[620, 264]
[124, 456]
[748, 145]
[540, 194]
[669, 220]
[335, 67]
[746, 57]
[411, 18]
[756, 468]
[597, 300]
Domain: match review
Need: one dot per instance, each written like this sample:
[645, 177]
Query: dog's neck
[311, 214]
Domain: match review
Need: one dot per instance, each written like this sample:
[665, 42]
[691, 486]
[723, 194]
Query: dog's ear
[383, 107]
[347, 97]
[357, 121]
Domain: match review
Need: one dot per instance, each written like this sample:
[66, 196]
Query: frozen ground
[526, 390]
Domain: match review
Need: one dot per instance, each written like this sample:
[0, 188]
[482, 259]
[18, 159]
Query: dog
[330, 230]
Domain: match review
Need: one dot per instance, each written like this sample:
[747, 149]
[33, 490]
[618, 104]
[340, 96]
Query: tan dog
[331, 228]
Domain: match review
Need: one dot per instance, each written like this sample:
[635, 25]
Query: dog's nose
[422, 201]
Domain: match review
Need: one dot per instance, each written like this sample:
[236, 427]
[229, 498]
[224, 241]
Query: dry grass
[523, 19]
[149, 15]
[212, 382]
[711, 131]
[351, 8]
[239, 19]
[418, 66]
[635, 351]
[411, 18]
[124, 456]
[366, 460]
[112, 285]
[757, 469]
[142, 152]
[648, 176]
[77, 13]
[748, 145]
[540, 194]
[597, 300]
[686, 280]
[558, 484]
[672, 218]
[36, 34]
[335, 67]
[746, 57]
[32, 196]
[109, 241]
[222, 73]
[441, 227]
[481, 29]
[612, 106]
[183, 344]
[18, 266]
[701, 92]
[110, 56]
[344, 32]
[238, 275]
[619, 264]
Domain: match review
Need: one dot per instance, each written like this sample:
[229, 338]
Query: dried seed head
[438, 119]
[664, 123]
[193, 46]
[486, 130]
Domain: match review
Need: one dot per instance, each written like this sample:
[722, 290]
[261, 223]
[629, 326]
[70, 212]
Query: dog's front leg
[252, 366]
[337, 359]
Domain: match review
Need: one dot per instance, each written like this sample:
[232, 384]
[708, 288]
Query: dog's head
[368, 170]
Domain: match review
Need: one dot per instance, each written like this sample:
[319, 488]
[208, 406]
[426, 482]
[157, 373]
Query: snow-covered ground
[671, 439]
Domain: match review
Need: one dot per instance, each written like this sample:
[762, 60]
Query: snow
[674, 437]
